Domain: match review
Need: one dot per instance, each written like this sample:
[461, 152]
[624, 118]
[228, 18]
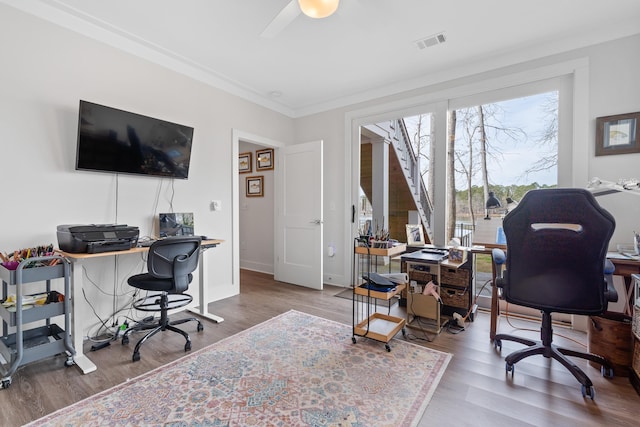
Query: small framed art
[618, 134]
[255, 186]
[244, 162]
[415, 235]
[264, 159]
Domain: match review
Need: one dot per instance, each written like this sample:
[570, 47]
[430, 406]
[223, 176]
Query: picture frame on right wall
[618, 134]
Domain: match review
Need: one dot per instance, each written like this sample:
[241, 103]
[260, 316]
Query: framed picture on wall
[264, 159]
[245, 163]
[254, 186]
[618, 134]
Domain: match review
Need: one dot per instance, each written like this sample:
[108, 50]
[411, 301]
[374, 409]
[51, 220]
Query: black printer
[97, 238]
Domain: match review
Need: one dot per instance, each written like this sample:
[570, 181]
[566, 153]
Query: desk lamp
[492, 203]
[600, 187]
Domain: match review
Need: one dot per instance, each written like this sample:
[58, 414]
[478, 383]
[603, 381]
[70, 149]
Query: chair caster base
[588, 391]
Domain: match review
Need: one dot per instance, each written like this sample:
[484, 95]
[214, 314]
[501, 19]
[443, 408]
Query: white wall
[256, 218]
[615, 89]
[45, 71]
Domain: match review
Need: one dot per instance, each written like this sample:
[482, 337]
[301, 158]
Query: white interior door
[298, 218]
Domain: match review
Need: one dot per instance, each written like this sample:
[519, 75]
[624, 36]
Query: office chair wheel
[69, 362]
[200, 327]
[510, 367]
[388, 347]
[606, 372]
[125, 340]
[497, 344]
[187, 346]
[6, 383]
[404, 333]
[136, 357]
[353, 340]
[588, 391]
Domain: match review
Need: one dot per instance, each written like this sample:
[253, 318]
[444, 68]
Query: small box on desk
[457, 256]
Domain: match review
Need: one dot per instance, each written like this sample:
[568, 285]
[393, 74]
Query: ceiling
[365, 50]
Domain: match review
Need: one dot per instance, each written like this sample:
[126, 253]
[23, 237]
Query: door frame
[237, 136]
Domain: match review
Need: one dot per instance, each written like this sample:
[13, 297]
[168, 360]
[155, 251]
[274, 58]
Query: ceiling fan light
[318, 8]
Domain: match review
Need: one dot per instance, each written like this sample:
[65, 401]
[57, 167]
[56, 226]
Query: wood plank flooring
[474, 390]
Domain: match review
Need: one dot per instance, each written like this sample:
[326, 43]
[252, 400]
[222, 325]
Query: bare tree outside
[548, 137]
[506, 147]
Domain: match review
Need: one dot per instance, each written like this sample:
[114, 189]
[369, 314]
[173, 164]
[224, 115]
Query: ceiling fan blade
[282, 19]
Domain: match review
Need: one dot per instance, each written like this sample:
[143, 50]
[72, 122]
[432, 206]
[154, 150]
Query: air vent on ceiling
[431, 41]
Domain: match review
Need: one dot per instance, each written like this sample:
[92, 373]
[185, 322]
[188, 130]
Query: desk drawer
[421, 276]
[454, 296]
[454, 276]
[422, 272]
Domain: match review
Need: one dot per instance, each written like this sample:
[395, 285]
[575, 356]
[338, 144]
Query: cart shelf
[378, 294]
[380, 327]
[367, 321]
[390, 252]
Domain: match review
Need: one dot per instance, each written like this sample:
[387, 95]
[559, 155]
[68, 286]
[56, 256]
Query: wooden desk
[486, 248]
[625, 268]
[80, 359]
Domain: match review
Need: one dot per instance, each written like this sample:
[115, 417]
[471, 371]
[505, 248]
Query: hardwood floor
[474, 390]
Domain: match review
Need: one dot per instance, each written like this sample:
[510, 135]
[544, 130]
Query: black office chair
[170, 264]
[557, 242]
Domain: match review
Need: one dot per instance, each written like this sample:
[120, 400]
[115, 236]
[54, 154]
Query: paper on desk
[618, 255]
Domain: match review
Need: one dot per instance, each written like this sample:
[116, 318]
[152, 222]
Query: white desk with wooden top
[77, 259]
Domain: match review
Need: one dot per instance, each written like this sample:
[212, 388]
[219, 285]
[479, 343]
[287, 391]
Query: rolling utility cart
[28, 345]
[368, 322]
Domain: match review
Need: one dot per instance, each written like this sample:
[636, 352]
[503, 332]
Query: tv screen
[112, 140]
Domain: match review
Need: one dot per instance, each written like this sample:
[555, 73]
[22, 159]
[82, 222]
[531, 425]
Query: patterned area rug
[293, 370]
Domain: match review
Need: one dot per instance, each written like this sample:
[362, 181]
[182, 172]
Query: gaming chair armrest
[499, 258]
[610, 292]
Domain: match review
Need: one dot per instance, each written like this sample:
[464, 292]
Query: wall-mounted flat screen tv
[113, 140]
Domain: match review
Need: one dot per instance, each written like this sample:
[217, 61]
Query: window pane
[501, 149]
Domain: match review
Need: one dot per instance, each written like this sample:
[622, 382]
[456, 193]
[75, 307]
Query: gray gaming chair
[557, 242]
[170, 264]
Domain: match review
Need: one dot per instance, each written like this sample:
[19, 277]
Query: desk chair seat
[170, 264]
[557, 241]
